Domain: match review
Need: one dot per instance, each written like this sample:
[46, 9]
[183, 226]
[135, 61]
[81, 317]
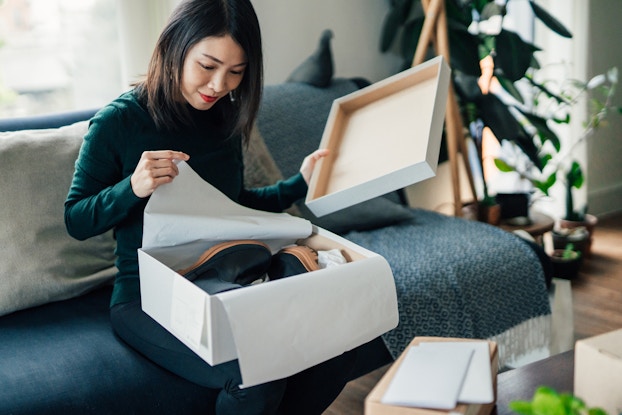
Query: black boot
[229, 265]
[293, 260]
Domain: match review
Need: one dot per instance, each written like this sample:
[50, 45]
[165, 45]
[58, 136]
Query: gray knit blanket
[458, 278]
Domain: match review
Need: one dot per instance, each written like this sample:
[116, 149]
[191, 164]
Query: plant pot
[566, 268]
[490, 214]
[513, 205]
[579, 237]
[481, 212]
[589, 223]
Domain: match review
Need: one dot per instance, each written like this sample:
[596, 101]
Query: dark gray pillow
[371, 214]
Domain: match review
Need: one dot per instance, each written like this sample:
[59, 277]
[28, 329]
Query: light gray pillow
[40, 262]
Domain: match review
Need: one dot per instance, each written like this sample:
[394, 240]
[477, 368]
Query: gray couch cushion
[40, 262]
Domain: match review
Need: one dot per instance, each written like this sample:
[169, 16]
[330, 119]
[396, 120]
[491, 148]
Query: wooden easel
[435, 30]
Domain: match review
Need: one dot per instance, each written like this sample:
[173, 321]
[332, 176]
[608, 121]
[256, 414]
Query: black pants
[308, 392]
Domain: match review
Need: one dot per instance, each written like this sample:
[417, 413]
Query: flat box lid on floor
[382, 138]
[374, 405]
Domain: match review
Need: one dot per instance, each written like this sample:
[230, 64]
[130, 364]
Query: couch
[58, 355]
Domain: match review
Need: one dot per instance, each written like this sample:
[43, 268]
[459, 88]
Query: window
[57, 55]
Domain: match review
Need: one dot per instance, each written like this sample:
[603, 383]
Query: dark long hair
[191, 22]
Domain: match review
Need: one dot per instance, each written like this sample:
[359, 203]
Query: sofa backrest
[292, 117]
[40, 122]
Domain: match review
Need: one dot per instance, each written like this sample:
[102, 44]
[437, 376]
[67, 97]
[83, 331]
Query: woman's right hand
[155, 168]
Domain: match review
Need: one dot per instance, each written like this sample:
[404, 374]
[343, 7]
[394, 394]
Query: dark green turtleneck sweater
[101, 197]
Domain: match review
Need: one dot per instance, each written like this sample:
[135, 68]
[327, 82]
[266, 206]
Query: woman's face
[213, 67]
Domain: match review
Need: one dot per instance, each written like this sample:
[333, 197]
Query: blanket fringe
[525, 342]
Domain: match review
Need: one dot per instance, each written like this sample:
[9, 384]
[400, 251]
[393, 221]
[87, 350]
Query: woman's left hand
[308, 164]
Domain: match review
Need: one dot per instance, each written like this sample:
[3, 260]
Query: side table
[520, 384]
[540, 224]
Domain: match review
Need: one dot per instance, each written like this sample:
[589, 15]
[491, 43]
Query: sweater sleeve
[277, 197]
[100, 195]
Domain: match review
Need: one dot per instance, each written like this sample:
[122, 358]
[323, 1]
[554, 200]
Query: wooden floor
[597, 304]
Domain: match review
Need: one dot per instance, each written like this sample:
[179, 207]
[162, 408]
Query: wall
[290, 32]
[291, 29]
[595, 27]
[605, 148]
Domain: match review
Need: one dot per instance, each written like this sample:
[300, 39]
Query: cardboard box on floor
[598, 371]
[275, 329]
[374, 406]
[381, 138]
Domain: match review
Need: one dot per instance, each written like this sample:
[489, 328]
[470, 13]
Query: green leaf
[597, 411]
[547, 402]
[410, 38]
[459, 12]
[551, 22]
[544, 160]
[521, 407]
[514, 55]
[572, 404]
[396, 18]
[545, 186]
[575, 176]
[565, 120]
[544, 132]
[503, 166]
[464, 50]
[504, 125]
[546, 91]
[390, 28]
[510, 87]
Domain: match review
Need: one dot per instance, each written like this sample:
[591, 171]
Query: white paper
[429, 378]
[190, 209]
[477, 387]
[188, 312]
[273, 330]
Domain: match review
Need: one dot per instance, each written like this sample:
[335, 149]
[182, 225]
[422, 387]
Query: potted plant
[558, 163]
[480, 48]
[547, 401]
[566, 262]
[579, 237]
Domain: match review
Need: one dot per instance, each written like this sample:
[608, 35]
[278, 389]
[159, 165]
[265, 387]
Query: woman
[197, 103]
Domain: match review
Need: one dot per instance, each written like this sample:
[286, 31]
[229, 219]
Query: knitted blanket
[459, 278]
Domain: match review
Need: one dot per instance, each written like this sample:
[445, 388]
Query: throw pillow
[317, 69]
[260, 168]
[40, 262]
[371, 214]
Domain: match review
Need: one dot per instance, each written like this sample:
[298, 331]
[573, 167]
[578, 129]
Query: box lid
[381, 138]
